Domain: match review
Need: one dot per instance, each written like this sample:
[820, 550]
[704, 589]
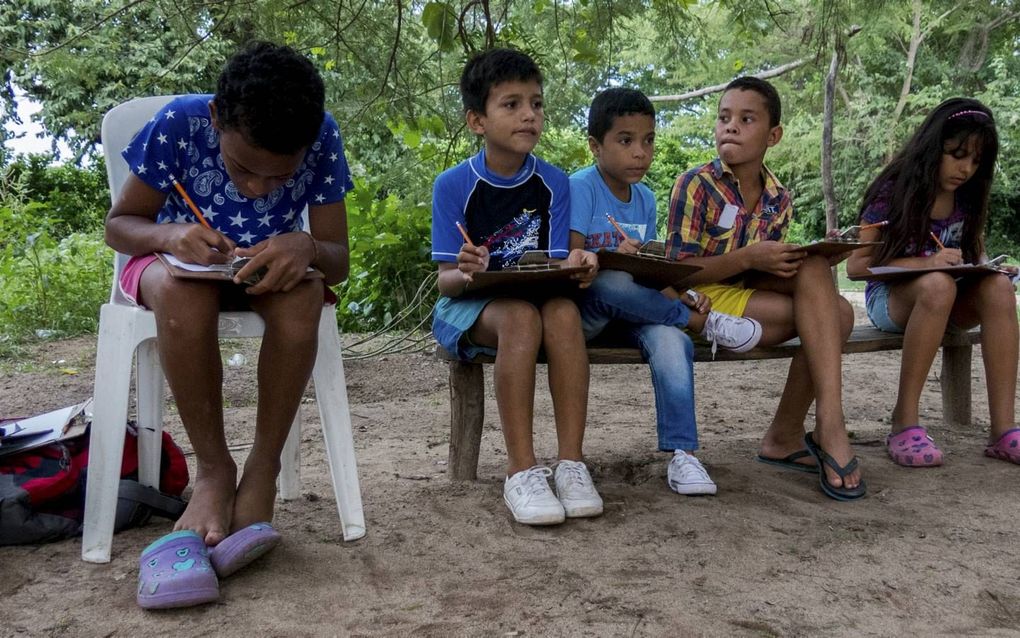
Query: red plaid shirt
[697, 203]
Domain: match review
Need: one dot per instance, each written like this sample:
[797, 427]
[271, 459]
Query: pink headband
[962, 113]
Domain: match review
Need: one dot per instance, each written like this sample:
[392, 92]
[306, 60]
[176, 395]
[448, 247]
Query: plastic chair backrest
[120, 125]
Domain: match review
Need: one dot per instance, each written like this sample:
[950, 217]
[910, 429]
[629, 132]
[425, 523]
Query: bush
[390, 242]
[53, 285]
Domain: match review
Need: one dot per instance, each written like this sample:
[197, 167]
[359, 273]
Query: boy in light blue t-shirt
[621, 135]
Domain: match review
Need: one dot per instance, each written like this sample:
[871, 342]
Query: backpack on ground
[42, 490]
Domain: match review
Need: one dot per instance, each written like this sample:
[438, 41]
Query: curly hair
[910, 181]
[273, 96]
[613, 103]
[489, 68]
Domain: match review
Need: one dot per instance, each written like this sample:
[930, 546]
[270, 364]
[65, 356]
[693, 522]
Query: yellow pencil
[463, 233]
[616, 226]
[189, 202]
[936, 238]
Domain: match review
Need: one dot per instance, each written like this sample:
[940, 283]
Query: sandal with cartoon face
[174, 571]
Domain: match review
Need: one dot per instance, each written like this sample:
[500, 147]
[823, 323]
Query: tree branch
[771, 73]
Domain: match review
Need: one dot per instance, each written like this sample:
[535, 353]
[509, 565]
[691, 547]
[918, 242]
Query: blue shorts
[452, 318]
[877, 305]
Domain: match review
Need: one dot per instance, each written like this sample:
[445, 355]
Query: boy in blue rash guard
[621, 130]
[508, 201]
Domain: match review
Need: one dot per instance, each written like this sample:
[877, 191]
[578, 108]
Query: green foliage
[51, 286]
[390, 242]
[391, 73]
[75, 198]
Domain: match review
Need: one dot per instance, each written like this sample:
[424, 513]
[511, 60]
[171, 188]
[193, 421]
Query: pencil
[936, 238]
[884, 222]
[189, 202]
[616, 226]
[463, 233]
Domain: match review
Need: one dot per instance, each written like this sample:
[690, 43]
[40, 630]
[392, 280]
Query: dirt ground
[928, 552]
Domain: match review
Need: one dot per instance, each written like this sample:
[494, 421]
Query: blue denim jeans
[653, 323]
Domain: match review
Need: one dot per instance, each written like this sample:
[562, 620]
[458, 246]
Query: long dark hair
[910, 181]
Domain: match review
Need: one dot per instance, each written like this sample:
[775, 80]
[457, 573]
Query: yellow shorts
[730, 299]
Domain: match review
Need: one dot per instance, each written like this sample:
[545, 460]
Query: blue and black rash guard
[529, 211]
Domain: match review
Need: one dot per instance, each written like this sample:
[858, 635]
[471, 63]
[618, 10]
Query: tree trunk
[916, 37]
[828, 188]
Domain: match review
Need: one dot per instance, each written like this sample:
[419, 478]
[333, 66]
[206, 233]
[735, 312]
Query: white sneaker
[738, 334]
[686, 475]
[576, 491]
[530, 499]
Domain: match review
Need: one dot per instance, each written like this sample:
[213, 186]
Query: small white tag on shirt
[729, 215]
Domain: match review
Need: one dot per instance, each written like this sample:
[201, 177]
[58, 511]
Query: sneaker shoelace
[536, 480]
[574, 475]
[711, 328]
[690, 467]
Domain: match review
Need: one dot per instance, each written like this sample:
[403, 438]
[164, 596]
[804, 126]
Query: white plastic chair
[126, 330]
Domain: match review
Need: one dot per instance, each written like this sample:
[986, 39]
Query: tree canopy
[391, 70]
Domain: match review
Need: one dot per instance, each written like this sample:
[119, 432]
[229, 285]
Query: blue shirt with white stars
[181, 140]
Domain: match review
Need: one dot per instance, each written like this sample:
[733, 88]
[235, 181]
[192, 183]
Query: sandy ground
[928, 552]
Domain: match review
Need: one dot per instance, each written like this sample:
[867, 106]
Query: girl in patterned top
[251, 158]
[934, 196]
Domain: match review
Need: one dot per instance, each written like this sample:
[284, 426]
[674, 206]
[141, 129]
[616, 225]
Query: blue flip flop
[174, 571]
[790, 462]
[830, 490]
[243, 547]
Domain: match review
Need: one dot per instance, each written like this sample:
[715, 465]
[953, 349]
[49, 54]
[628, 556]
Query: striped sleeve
[686, 223]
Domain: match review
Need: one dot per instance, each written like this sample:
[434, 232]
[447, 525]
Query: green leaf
[440, 21]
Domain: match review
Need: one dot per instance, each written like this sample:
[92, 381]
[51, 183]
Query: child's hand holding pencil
[198, 243]
[471, 258]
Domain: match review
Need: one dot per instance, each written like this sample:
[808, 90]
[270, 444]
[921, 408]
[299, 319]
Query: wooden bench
[467, 382]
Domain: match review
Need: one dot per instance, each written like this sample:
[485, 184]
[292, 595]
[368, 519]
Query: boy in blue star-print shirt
[251, 157]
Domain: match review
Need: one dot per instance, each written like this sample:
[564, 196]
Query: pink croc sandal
[1007, 448]
[914, 447]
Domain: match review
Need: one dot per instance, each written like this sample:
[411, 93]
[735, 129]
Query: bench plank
[467, 381]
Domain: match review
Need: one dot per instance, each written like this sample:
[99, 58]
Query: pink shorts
[131, 277]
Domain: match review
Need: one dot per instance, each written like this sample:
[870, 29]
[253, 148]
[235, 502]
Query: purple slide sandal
[242, 547]
[174, 571]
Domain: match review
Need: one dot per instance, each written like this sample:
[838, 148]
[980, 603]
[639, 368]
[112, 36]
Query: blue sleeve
[331, 176]
[559, 214]
[582, 204]
[447, 210]
[160, 148]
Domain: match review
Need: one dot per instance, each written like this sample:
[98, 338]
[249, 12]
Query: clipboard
[654, 272]
[649, 266]
[833, 247]
[534, 275]
[218, 272]
[887, 273]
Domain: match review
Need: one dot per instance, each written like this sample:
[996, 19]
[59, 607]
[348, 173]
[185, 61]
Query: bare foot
[838, 447]
[212, 502]
[256, 494]
[774, 446]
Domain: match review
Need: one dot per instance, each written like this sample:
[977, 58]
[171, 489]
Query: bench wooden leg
[956, 384]
[467, 410]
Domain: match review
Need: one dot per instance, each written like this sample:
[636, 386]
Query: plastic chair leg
[149, 391]
[116, 347]
[289, 482]
[334, 413]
